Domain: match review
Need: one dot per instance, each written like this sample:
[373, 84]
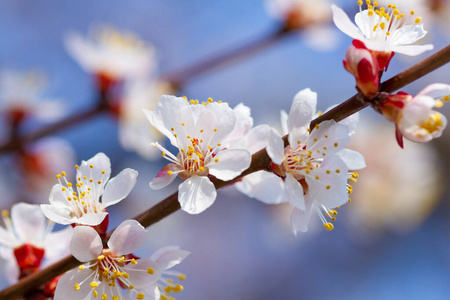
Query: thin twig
[260, 161]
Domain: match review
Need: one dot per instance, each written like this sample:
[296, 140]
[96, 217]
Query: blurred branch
[177, 78]
[260, 161]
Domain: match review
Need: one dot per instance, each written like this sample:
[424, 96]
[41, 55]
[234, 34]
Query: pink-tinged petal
[28, 220]
[169, 256]
[152, 293]
[302, 110]
[417, 132]
[163, 178]
[435, 90]
[327, 139]
[298, 135]
[100, 162]
[217, 121]
[344, 24]
[196, 194]
[228, 164]
[412, 50]
[328, 183]
[57, 213]
[90, 219]
[354, 160]
[119, 187]
[127, 237]
[138, 275]
[86, 244]
[300, 218]
[66, 285]
[294, 192]
[244, 121]
[263, 186]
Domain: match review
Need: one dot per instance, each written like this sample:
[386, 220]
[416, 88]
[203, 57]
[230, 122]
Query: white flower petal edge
[263, 186]
[169, 256]
[127, 237]
[230, 163]
[196, 194]
[86, 244]
[29, 222]
[119, 187]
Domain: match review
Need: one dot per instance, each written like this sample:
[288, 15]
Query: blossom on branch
[383, 31]
[27, 241]
[414, 117]
[312, 172]
[80, 203]
[200, 132]
[106, 271]
[111, 55]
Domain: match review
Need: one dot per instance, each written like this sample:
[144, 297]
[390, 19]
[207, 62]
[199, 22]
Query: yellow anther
[192, 101]
[169, 173]
[333, 219]
[324, 148]
[125, 275]
[178, 288]
[370, 7]
[140, 296]
[396, 12]
[76, 286]
[133, 261]
[210, 100]
[182, 277]
[382, 25]
[77, 167]
[131, 287]
[349, 200]
[367, 2]
[94, 284]
[417, 21]
[446, 98]
[115, 297]
[91, 166]
[58, 176]
[201, 169]
[69, 198]
[328, 187]
[100, 257]
[326, 136]
[104, 297]
[182, 124]
[388, 33]
[63, 173]
[412, 13]
[163, 154]
[81, 267]
[95, 293]
[338, 171]
[175, 135]
[370, 13]
[150, 271]
[219, 144]
[328, 226]
[359, 2]
[317, 177]
[184, 97]
[375, 3]
[355, 175]
[353, 179]
[215, 129]
[317, 126]
[121, 260]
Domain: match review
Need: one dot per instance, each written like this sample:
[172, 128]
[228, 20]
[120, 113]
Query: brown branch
[260, 161]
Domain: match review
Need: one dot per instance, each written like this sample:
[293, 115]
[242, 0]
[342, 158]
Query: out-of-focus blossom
[364, 66]
[198, 131]
[111, 55]
[392, 193]
[21, 96]
[38, 163]
[383, 31]
[79, 203]
[107, 270]
[27, 239]
[414, 117]
[312, 171]
[135, 132]
[312, 17]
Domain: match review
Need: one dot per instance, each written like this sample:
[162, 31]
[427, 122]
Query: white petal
[138, 275]
[300, 218]
[407, 34]
[257, 138]
[8, 239]
[57, 244]
[100, 162]
[328, 139]
[436, 90]
[294, 192]
[12, 271]
[302, 110]
[196, 194]
[351, 121]
[58, 214]
[217, 122]
[284, 122]
[163, 179]
[263, 186]
[412, 50]
[119, 187]
[28, 220]
[342, 21]
[353, 159]
[65, 288]
[327, 185]
[127, 237]
[275, 146]
[230, 163]
[152, 293]
[90, 219]
[169, 256]
[244, 121]
[86, 244]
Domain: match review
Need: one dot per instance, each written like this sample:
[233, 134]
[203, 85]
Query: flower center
[299, 162]
[433, 123]
[384, 21]
[84, 197]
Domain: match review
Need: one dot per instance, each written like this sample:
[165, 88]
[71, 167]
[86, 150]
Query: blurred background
[391, 242]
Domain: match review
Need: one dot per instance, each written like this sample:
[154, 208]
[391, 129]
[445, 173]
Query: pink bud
[391, 107]
[364, 66]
